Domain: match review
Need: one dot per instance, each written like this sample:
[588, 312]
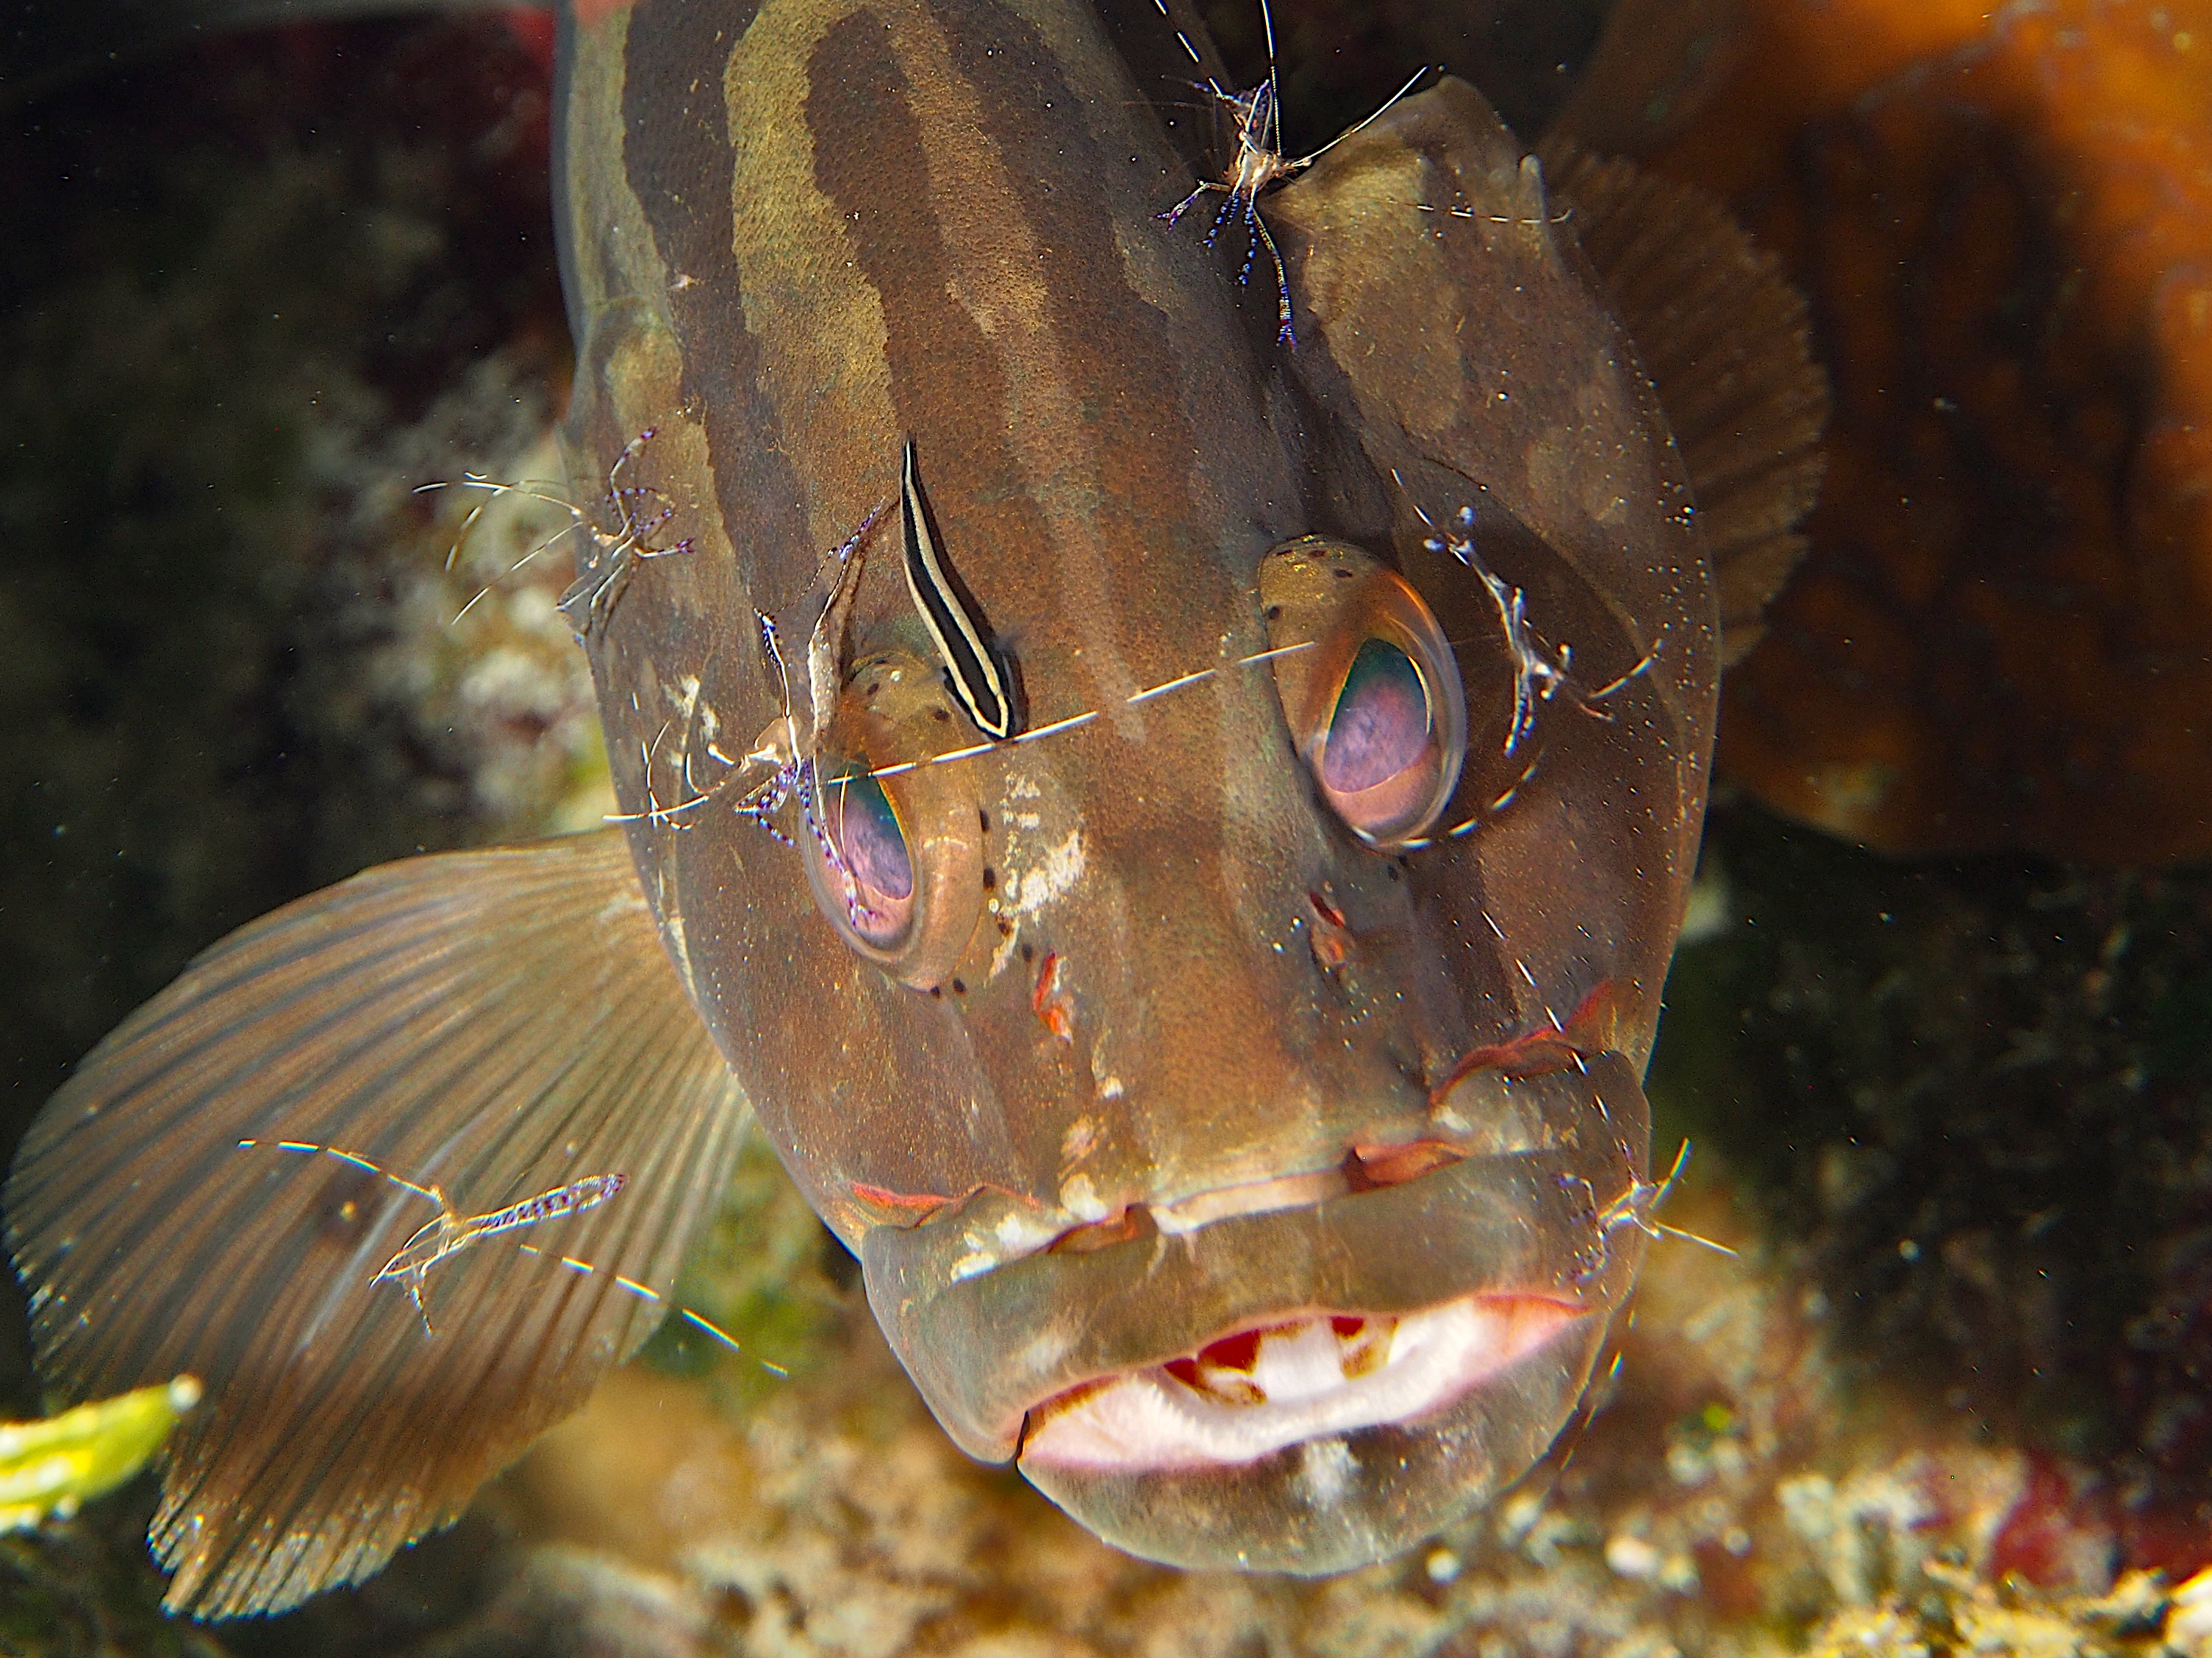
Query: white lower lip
[1149, 1420]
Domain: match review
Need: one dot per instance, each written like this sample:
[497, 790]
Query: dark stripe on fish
[1146, 380]
[677, 156]
[978, 676]
[1021, 358]
[952, 389]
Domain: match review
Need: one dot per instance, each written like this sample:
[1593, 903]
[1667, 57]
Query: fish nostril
[1050, 1000]
[1544, 1049]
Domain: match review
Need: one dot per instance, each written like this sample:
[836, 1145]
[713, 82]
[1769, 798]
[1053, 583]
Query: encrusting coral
[2002, 637]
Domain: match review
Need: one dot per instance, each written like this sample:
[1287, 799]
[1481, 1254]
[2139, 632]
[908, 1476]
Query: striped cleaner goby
[1225, 1065]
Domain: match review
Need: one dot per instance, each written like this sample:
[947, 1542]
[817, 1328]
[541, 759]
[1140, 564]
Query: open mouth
[1303, 1374]
[1250, 1393]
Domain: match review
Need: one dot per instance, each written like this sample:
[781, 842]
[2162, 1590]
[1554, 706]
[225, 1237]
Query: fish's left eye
[1372, 692]
[862, 837]
[893, 848]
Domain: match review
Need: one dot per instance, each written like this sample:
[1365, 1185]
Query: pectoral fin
[491, 1024]
[1726, 339]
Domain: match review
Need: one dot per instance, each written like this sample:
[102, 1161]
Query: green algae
[767, 1273]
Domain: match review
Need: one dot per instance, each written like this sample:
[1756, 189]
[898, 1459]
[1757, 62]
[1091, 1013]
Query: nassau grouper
[1172, 809]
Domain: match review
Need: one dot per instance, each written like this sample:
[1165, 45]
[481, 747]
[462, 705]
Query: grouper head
[1218, 811]
[1170, 803]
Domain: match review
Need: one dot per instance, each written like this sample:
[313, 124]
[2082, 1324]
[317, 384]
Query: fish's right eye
[892, 844]
[1378, 761]
[1369, 686]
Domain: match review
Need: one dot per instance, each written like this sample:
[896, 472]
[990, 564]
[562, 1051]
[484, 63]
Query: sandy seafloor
[1949, 1396]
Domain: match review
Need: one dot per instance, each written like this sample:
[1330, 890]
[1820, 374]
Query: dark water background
[242, 282]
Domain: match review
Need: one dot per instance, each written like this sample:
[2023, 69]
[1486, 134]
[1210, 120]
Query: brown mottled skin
[1162, 1058]
[833, 225]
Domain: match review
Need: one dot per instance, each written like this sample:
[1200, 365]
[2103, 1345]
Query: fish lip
[1349, 1494]
[1363, 1169]
[988, 1345]
[1147, 1420]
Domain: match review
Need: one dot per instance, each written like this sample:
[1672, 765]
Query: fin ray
[1725, 338]
[496, 1023]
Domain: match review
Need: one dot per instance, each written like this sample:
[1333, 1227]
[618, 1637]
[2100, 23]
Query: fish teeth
[1288, 1363]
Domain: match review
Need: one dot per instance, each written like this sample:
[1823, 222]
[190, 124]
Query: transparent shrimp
[1259, 165]
[450, 1232]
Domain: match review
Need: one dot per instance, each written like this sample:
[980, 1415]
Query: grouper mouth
[1257, 1391]
[1307, 1388]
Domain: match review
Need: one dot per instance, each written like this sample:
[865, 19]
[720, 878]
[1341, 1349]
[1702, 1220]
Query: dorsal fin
[1723, 335]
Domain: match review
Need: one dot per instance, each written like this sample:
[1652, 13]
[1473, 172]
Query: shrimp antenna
[530, 490]
[450, 1232]
[1260, 164]
[610, 557]
[1638, 1207]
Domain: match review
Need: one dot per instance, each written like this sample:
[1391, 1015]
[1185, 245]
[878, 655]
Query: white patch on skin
[1107, 1085]
[1148, 1421]
[1019, 1235]
[1012, 1236]
[671, 929]
[1082, 1135]
[1325, 1471]
[1081, 1200]
[1044, 1350]
[672, 926]
[1059, 870]
[1005, 952]
[1254, 1197]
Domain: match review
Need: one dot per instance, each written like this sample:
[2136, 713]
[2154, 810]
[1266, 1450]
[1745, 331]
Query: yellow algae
[49, 1468]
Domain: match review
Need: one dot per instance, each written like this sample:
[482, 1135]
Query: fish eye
[863, 841]
[893, 845]
[1373, 702]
